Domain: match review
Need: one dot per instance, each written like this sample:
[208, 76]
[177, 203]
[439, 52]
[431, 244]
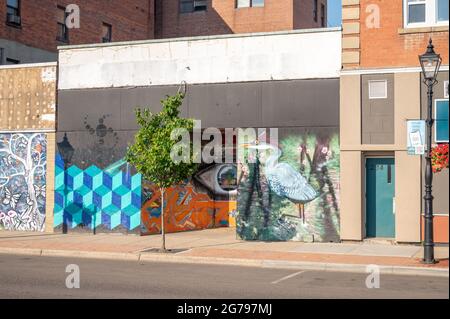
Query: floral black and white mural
[290, 191]
[23, 160]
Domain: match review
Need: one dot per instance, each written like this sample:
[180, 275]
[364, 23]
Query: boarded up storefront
[27, 135]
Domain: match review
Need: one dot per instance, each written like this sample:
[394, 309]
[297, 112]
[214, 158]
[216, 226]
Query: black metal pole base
[428, 243]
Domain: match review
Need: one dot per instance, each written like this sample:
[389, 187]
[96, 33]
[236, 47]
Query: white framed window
[425, 13]
[441, 120]
[249, 3]
[446, 89]
[377, 89]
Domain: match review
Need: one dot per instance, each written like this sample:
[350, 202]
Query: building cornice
[387, 70]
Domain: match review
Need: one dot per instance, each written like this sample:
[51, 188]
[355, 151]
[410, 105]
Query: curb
[274, 264]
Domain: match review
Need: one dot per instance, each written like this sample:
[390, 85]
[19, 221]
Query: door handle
[393, 205]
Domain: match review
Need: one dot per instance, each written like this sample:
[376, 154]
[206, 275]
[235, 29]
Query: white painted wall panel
[260, 57]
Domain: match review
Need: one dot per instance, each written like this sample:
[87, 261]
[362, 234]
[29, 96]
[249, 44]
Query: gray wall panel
[132, 98]
[377, 115]
[301, 103]
[296, 103]
[230, 105]
[74, 106]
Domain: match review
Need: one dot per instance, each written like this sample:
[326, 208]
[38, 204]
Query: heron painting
[284, 180]
[290, 190]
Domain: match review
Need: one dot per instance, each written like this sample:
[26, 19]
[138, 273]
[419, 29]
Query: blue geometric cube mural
[95, 198]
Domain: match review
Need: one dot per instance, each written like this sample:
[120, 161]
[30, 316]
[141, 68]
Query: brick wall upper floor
[129, 20]
[376, 34]
[225, 17]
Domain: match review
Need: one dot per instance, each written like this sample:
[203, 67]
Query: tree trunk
[163, 228]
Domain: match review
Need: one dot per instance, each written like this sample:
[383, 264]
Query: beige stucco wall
[408, 171]
[353, 152]
[350, 112]
[407, 197]
[351, 182]
[351, 196]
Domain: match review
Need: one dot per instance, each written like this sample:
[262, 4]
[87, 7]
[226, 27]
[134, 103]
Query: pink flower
[12, 214]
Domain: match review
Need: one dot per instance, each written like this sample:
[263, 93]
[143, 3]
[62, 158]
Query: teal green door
[380, 195]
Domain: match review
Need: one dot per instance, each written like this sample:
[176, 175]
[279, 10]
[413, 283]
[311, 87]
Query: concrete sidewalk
[220, 246]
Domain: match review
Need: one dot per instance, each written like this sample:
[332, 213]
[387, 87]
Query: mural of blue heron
[284, 180]
[289, 189]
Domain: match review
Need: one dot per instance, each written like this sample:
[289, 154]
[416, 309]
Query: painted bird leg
[301, 212]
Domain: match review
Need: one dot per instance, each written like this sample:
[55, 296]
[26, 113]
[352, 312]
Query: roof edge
[197, 38]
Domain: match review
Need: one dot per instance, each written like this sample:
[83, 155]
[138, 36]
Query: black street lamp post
[66, 150]
[430, 63]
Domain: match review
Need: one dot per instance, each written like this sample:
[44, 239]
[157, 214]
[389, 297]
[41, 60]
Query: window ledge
[193, 12]
[442, 28]
[61, 40]
[14, 25]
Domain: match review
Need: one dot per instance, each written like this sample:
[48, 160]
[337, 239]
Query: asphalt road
[44, 277]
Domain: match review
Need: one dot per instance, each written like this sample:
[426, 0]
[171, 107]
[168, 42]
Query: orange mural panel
[185, 210]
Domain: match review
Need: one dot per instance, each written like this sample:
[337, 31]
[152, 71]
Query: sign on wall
[416, 137]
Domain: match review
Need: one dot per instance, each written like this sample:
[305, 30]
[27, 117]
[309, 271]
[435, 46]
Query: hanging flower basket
[439, 157]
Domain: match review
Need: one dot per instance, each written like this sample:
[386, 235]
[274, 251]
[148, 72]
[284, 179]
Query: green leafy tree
[156, 142]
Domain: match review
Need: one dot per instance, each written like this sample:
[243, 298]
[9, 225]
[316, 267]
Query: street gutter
[262, 263]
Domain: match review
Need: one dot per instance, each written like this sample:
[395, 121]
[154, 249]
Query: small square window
[63, 31]
[315, 10]
[249, 3]
[188, 6]
[378, 89]
[13, 12]
[416, 11]
[257, 3]
[322, 16]
[419, 13]
[442, 10]
[242, 3]
[106, 33]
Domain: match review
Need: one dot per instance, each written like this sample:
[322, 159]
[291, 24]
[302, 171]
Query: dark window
[13, 12]
[12, 61]
[187, 6]
[106, 33]
[322, 16]
[1, 55]
[63, 31]
[315, 9]
[249, 3]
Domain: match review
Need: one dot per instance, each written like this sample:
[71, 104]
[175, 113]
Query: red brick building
[30, 31]
[178, 18]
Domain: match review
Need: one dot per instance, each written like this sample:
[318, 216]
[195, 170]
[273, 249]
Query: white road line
[287, 277]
